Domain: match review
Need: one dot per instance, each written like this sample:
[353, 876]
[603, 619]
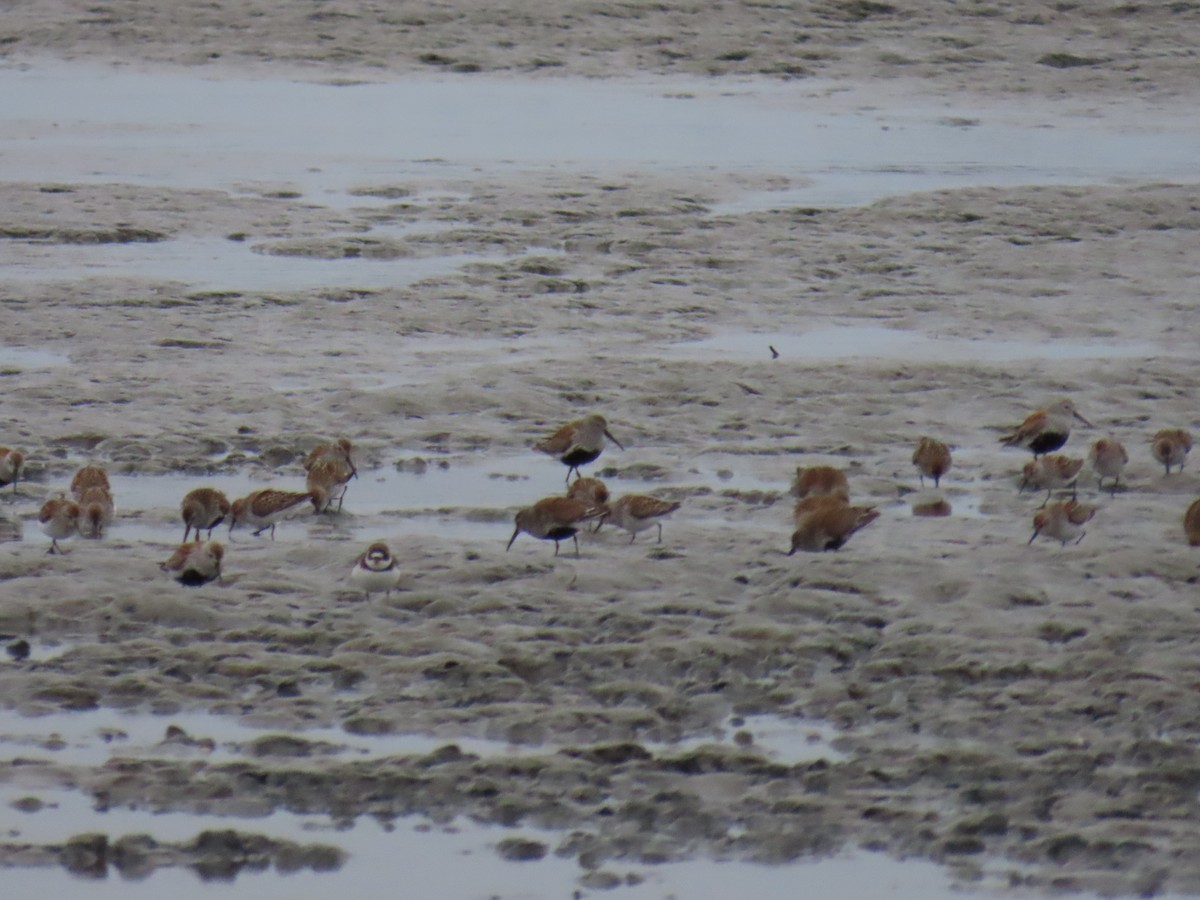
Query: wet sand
[1021, 715]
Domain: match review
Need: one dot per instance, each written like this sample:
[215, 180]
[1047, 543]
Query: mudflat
[1021, 713]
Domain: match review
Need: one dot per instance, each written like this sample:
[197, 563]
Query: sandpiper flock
[823, 518]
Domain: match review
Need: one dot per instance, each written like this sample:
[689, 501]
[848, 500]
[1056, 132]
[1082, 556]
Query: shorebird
[59, 519]
[1045, 430]
[815, 502]
[195, 563]
[1052, 472]
[637, 513]
[593, 492]
[1107, 458]
[328, 478]
[203, 509]
[375, 570]
[578, 443]
[339, 450]
[1170, 447]
[1063, 521]
[95, 511]
[88, 477]
[932, 459]
[553, 519]
[263, 508]
[1191, 524]
[829, 527]
[12, 463]
[820, 481]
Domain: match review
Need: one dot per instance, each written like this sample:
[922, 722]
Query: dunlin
[12, 463]
[1170, 447]
[805, 506]
[59, 519]
[820, 481]
[95, 511]
[327, 481]
[932, 459]
[591, 491]
[196, 563]
[1063, 521]
[339, 450]
[375, 570]
[637, 513]
[829, 527]
[88, 477]
[1191, 524]
[578, 443]
[553, 519]
[1051, 472]
[203, 509]
[1045, 430]
[1107, 458]
[262, 509]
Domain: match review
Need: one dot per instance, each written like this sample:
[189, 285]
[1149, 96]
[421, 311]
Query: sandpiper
[820, 481]
[637, 513]
[1107, 458]
[375, 570]
[59, 519]
[1191, 524]
[593, 492]
[1052, 472]
[553, 519]
[262, 509]
[203, 509]
[195, 563]
[339, 450]
[1170, 447]
[829, 527]
[88, 477]
[12, 463]
[328, 479]
[95, 511]
[805, 506]
[578, 443]
[932, 459]
[1045, 430]
[1063, 521]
